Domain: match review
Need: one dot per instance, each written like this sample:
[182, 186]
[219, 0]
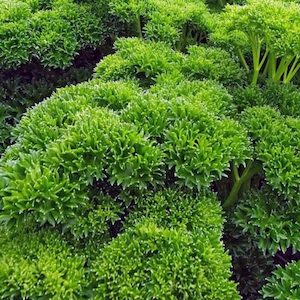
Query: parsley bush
[119, 187]
[171, 230]
[51, 31]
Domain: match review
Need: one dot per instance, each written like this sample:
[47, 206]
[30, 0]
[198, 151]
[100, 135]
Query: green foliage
[54, 39]
[197, 144]
[89, 21]
[249, 96]
[284, 283]
[150, 60]
[18, 94]
[206, 93]
[201, 147]
[23, 91]
[178, 22]
[277, 147]
[186, 132]
[13, 11]
[178, 266]
[212, 63]
[147, 61]
[271, 220]
[14, 35]
[199, 214]
[184, 259]
[273, 41]
[128, 11]
[284, 97]
[103, 212]
[62, 155]
[35, 181]
[54, 36]
[30, 84]
[123, 166]
[36, 5]
[40, 265]
[60, 111]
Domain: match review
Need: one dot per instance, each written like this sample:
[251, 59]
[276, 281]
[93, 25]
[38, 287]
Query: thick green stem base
[244, 181]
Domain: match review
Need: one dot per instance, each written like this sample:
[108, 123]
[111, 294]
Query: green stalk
[242, 59]
[185, 33]
[263, 59]
[266, 67]
[255, 76]
[236, 173]
[288, 73]
[289, 78]
[272, 62]
[251, 169]
[261, 64]
[189, 36]
[292, 72]
[138, 26]
[285, 75]
[256, 47]
[284, 64]
[258, 62]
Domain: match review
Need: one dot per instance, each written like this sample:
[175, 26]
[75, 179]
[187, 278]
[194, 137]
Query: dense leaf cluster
[69, 164]
[174, 238]
[283, 97]
[18, 92]
[185, 259]
[151, 59]
[51, 31]
[118, 183]
[40, 265]
[270, 220]
[91, 153]
[144, 139]
[277, 141]
[176, 22]
[284, 283]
